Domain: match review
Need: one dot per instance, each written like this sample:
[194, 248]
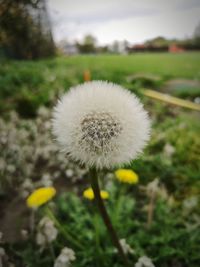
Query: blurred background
[152, 48]
[35, 29]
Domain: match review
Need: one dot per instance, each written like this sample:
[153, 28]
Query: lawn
[29, 158]
[26, 85]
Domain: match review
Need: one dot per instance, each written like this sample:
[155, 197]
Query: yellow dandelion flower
[89, 194]
[40, 196]
[127, 176]
[104, 194]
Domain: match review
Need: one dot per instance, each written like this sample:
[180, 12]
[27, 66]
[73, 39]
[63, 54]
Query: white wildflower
[46, 180]
[197, 100]
[24, 234]
[28, 184]
[2, 252]
[144, 261]
[162, 193]
[169, 150]
[28, 145]
[126, 247]
[69, 173]
[189, 204]
[2, 256]
[100, 123]
[46, 232]
[65, 258]
[43, 112]
[27, 187]
[11, 168]
[152, 187]
[56, 174]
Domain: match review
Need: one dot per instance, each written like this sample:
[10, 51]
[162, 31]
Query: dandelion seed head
[98, 130]
[100, 124]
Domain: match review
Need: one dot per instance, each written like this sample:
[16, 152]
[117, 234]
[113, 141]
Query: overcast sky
[132, 20]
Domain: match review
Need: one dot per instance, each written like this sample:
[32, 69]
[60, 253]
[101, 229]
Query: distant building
[68, 48]
[147, 48]
[137, 48]
[118, 47]
[173, 48]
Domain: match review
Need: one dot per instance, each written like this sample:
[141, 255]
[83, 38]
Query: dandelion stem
[32, 220]
[97, 241]
[105, 216]
[52, 251]
[151, 210]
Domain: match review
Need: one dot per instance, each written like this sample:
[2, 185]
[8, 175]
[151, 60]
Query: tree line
[25, 31]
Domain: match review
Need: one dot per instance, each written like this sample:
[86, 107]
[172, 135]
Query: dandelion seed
[101, 124]
[127, 176]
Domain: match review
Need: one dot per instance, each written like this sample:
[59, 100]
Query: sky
[131, 20]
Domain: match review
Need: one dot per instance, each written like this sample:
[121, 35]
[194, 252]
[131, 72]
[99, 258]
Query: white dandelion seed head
[101, 124]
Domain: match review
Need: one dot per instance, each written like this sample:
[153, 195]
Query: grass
[25, 86]
[173, 238]
[169, 65]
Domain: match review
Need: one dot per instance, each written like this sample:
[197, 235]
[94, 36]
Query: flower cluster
[27, 148]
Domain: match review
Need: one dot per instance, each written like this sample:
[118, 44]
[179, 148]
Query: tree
[197, 35]
[23, 34]
[88, 45]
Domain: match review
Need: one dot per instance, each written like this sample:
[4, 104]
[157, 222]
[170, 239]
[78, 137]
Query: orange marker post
[86, 76]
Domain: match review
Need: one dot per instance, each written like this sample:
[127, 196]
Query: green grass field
[167, 65]
[28, 156]
[30, 84]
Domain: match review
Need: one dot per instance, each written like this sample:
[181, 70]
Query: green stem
[151, 209]
[97, 241]
[32, 220]
[66, 234]
[119, 202]
[52, 251]
[105, 216]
